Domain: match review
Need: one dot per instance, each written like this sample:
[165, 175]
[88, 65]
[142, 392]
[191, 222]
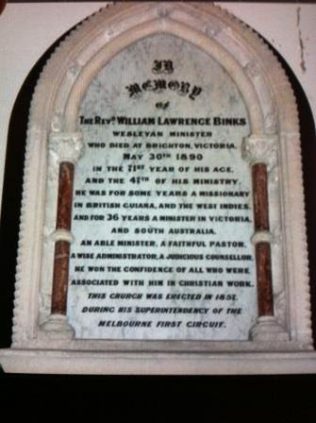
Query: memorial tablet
[162, 207]
[168, 236]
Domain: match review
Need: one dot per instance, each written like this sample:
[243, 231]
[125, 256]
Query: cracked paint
[300, 40]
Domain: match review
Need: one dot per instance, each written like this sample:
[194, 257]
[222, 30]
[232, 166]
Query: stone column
[67, 149]
[261, 153]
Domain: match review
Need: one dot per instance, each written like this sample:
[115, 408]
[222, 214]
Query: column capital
[66, 146]
[260, 149]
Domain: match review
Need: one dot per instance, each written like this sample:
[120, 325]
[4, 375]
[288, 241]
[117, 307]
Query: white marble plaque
[162, 207]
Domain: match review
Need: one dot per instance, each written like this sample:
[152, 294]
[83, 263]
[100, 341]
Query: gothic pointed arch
[56, 143]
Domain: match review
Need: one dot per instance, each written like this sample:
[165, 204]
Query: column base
[57, 327]
[268, 329]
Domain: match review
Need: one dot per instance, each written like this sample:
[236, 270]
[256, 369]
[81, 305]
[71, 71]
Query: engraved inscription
[162, 207]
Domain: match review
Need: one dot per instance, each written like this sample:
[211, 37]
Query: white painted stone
[95, 363]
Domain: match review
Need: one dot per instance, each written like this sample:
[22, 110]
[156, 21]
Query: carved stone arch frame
[54, 138]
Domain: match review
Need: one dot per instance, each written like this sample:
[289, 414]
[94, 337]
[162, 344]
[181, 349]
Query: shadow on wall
[12, 190]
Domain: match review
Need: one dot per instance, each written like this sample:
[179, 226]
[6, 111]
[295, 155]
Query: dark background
[121, 1]
[286, 398]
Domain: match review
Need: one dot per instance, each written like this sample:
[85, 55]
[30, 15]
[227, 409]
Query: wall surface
[27, 30]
